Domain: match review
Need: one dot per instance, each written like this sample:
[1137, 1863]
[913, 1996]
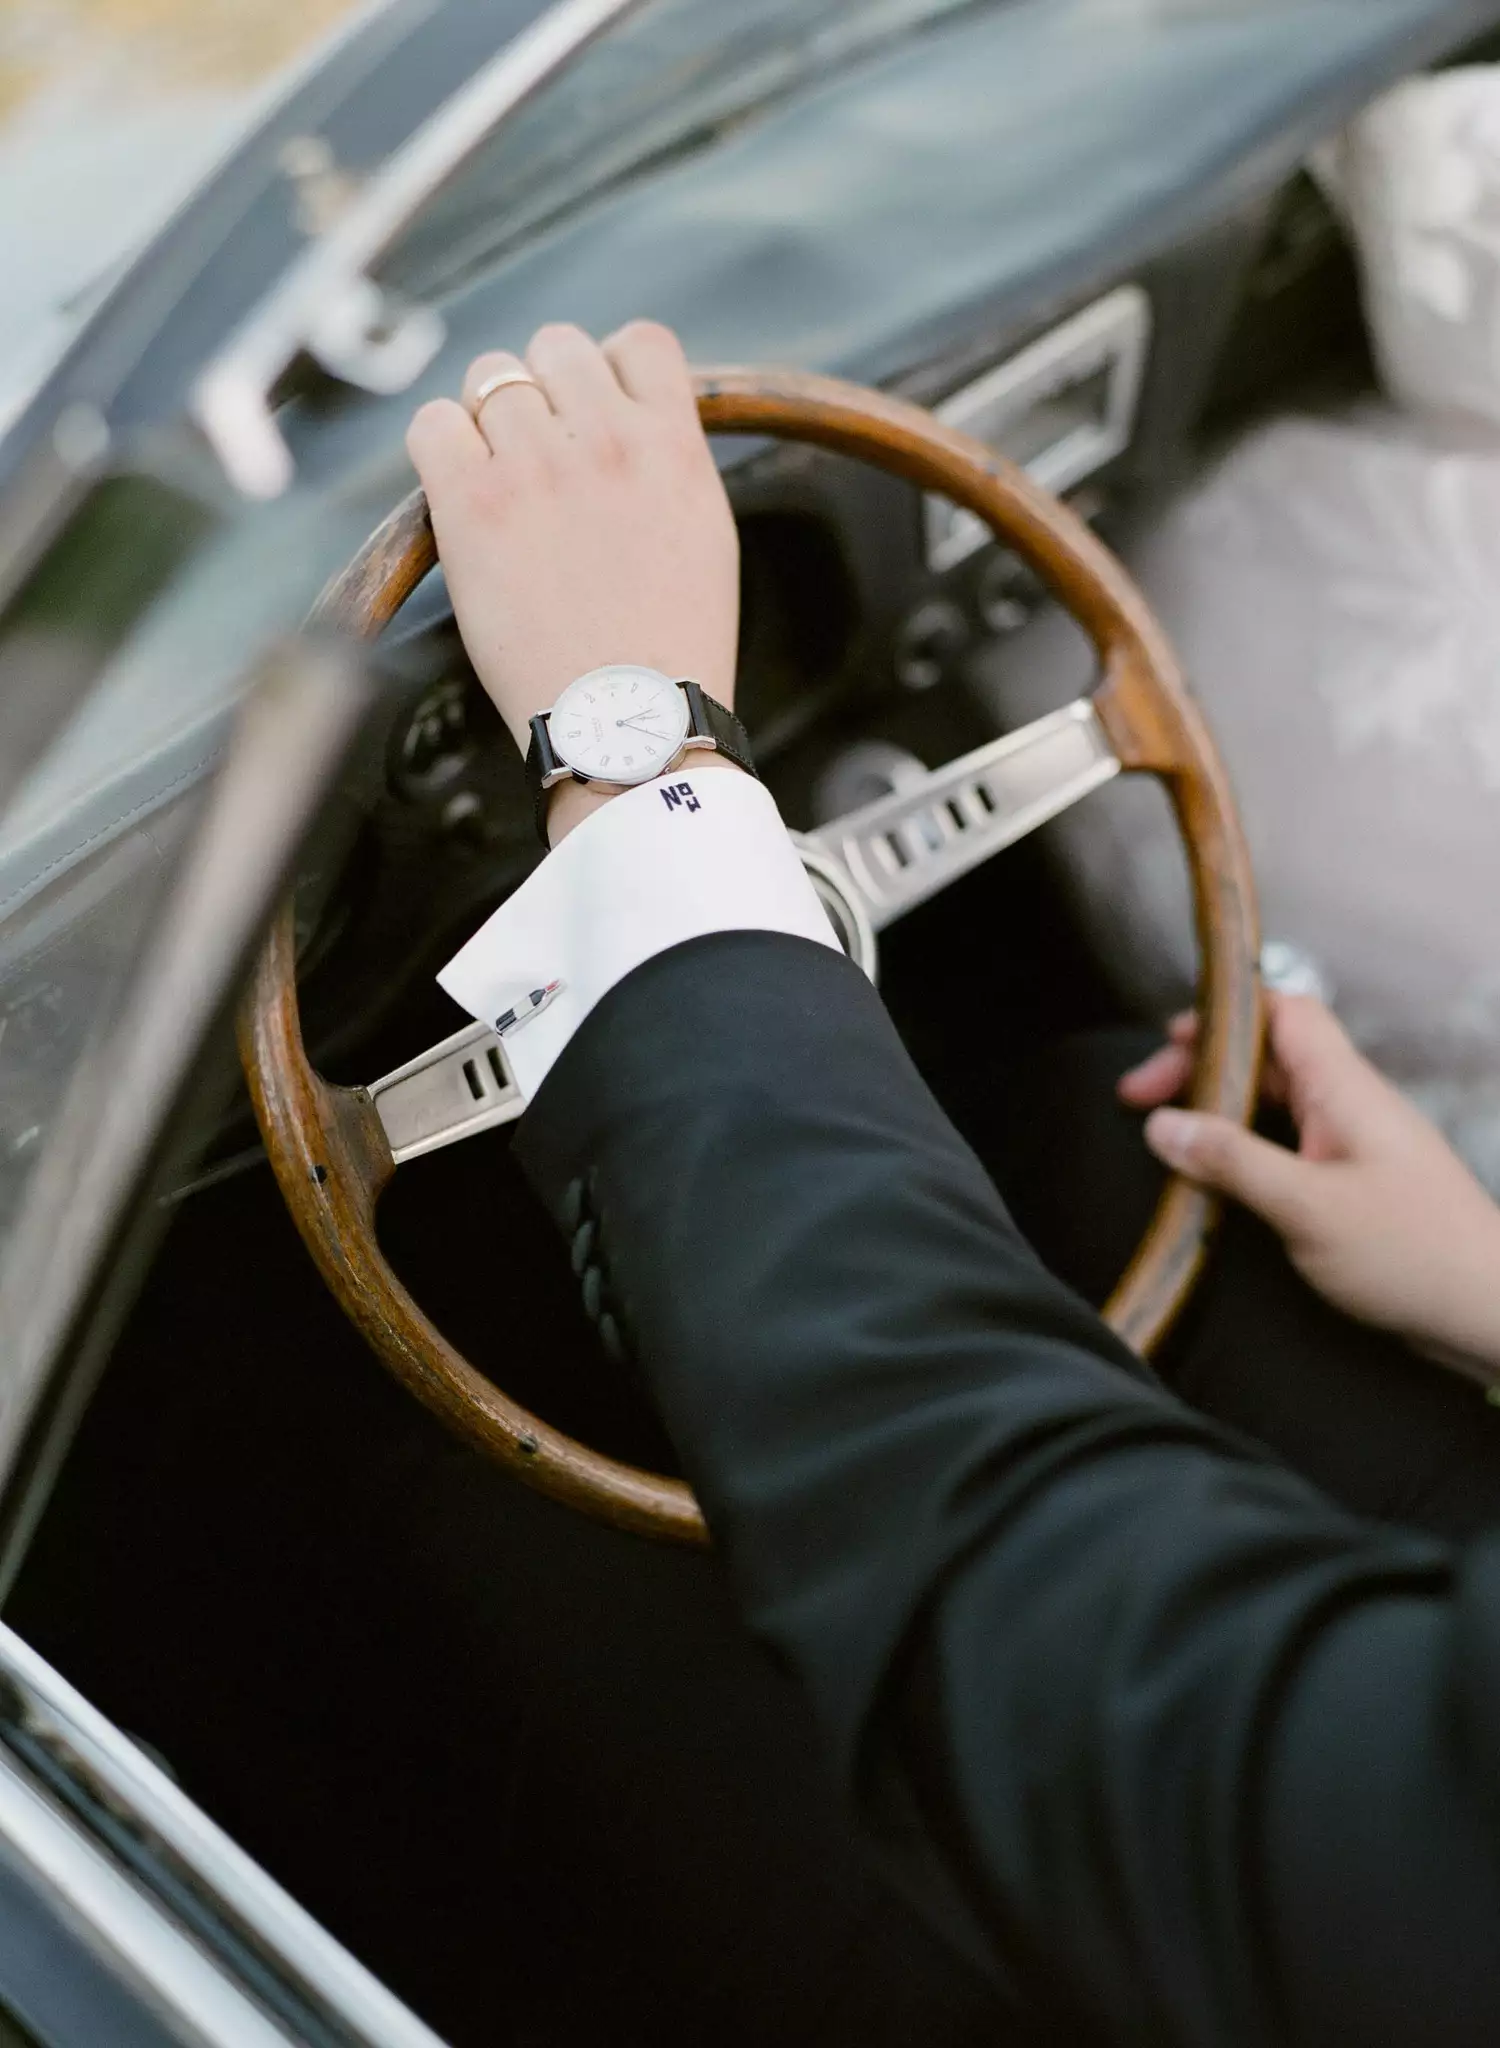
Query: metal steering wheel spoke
[450, 1092]
[904, 848]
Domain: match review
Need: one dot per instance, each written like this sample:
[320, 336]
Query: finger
[1325, 1072]
[444, 444]
[648, 361]
[1159, 1079]
[1167, 1072]
[1219, 1154]
[576, 375]
[1184, 1030]
[514, 413]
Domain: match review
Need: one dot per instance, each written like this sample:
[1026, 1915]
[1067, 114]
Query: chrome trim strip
[329, 286]
[93, 1746]
[125, 1926]
[904, 848]
[1113, 335]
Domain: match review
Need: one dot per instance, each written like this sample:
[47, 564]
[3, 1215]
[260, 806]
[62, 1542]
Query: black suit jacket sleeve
[1194, 1756]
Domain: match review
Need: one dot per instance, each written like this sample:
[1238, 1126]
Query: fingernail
[1170, 1132]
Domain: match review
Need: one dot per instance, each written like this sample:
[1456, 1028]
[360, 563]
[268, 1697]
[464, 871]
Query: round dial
[619, 724]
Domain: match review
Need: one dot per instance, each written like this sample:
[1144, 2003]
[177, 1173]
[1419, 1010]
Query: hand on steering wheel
[582, 522]
[1376, 1209]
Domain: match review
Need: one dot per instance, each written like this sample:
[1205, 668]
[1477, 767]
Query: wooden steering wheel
[329, 1147]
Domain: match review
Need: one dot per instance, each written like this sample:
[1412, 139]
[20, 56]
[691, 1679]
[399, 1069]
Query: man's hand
[581, 522]
[1377, 1212]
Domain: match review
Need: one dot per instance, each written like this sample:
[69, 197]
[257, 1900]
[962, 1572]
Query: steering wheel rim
[327, 1146]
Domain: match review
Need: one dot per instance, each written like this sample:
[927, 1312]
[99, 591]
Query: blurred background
[110, 113]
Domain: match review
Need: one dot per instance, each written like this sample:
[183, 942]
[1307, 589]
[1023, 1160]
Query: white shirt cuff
[670, 861]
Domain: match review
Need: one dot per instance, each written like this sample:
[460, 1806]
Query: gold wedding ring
[499, 382]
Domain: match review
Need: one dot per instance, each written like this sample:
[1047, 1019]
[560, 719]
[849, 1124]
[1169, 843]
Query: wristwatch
[622, 725]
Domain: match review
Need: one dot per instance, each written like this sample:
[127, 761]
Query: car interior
[527, 1767]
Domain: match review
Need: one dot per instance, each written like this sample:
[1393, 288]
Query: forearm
[1047, 1617]
[774, 1225]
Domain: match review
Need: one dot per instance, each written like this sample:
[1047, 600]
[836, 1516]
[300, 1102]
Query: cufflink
[531, 1005]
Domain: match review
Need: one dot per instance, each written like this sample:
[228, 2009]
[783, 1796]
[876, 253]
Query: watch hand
[635, 723]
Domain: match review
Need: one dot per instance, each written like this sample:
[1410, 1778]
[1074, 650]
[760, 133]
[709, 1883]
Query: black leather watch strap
[540, 763]
[709, 719]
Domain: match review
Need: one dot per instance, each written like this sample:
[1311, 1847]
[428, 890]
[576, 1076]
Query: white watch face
[619, 724]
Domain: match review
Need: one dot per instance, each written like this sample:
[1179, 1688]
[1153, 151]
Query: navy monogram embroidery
[674, 795]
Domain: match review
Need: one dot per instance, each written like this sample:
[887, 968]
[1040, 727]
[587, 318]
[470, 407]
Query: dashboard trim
[1112, 337]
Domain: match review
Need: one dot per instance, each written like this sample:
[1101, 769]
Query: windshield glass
[669, 79]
